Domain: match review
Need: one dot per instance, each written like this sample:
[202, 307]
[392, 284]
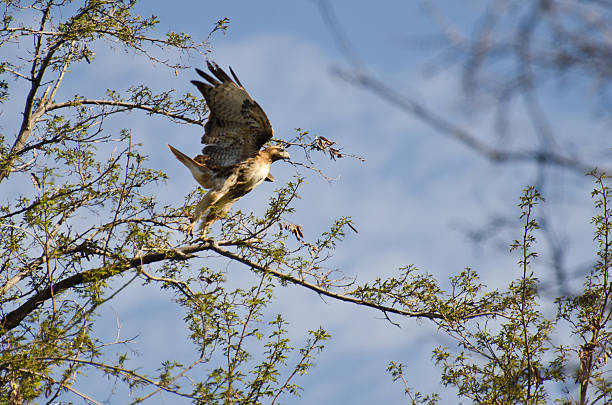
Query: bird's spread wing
[237, 126]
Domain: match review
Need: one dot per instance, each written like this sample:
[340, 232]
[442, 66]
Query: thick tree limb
[31, 115]
[14, 318]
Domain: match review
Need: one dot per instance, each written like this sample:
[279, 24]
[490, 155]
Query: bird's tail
[200, 172]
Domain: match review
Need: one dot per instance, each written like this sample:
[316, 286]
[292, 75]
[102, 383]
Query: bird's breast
[257, 174]
[248, 176]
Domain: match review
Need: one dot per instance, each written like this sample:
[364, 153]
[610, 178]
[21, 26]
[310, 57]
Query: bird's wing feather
[237, 126]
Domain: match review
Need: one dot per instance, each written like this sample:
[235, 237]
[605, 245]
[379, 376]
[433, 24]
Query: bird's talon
[189, 230]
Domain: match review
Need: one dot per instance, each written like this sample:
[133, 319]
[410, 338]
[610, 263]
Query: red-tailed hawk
[231, 163]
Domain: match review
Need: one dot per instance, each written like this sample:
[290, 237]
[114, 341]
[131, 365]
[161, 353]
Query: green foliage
[222, 24]
[91, 216]
[588, 313]
[225, 325]
[397, 373]
[505, 361]
[512, 355]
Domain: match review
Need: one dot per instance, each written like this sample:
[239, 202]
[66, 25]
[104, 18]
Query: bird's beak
[285, 155]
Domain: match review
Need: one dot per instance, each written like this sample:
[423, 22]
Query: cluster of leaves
[514, 355]
[85, 216]
[222, 323]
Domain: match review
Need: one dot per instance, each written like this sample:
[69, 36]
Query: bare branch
[62, 385]
[128, 105]
[470, 140]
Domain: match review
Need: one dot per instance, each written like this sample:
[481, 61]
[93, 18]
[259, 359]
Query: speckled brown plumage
[231, 163]
[237, 126]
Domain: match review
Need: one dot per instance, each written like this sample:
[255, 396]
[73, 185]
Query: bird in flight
[232, 162]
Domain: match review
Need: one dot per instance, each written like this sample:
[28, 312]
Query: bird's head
[277, 152]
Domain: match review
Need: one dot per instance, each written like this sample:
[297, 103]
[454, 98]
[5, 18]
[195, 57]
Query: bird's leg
[203, 230]
[212, 216]
[220, 210]
[208, 222]
[209, 199]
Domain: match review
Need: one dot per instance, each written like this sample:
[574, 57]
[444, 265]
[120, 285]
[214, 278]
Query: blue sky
[409, 200]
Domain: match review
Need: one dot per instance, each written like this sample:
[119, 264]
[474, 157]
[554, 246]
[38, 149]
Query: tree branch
[62, 385]
[357, 75]
[462, 135]
[341, 297]
[13, 318]
[125, 104]
[29, 114]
